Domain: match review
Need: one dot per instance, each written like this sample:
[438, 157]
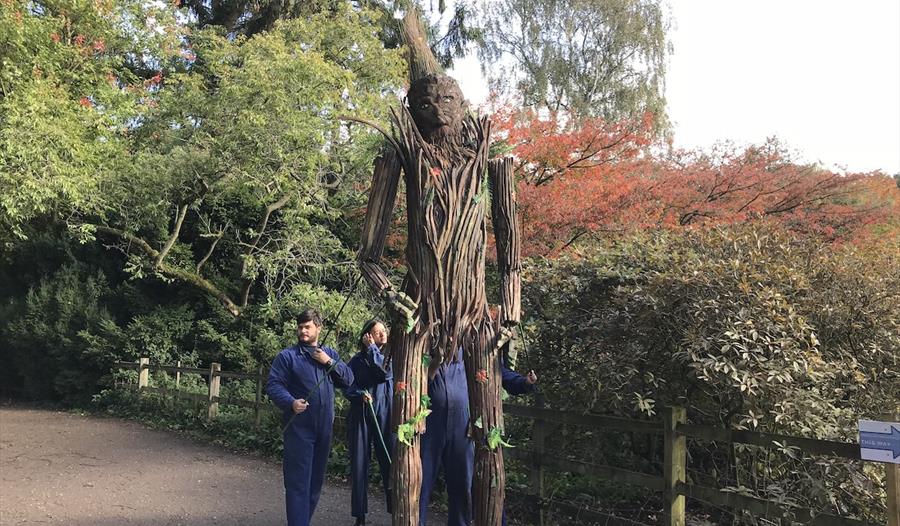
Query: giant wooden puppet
[441, 149]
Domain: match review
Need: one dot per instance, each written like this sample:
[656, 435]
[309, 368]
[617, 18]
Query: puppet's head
[437, 106]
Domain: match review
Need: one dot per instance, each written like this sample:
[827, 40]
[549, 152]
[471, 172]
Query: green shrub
[746, 327]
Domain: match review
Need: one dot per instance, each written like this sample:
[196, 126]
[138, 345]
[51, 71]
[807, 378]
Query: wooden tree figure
[442, 151]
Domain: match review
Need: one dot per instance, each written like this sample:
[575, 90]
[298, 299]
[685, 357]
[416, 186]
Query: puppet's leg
[410, 383]
[486, 414]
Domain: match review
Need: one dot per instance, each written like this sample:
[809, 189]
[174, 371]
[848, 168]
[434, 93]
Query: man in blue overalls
[301, 383]
[370, 411]
[446, 442]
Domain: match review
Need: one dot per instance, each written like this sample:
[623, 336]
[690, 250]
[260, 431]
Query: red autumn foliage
[154, 80]
[582, 178]
[730, 185]
[549, 146]
[86, 102]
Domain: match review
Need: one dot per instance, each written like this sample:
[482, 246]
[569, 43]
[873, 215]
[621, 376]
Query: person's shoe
[360, 521]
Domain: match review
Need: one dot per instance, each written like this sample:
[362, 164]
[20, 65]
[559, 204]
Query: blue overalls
[362, 434]
[307, 440]
[446, 443]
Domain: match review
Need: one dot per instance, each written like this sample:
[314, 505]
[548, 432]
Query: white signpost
[879, 441]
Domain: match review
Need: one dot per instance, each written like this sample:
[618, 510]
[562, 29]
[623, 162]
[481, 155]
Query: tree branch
[174, 272]
[260, 230]
[176, 231]
[209, 252]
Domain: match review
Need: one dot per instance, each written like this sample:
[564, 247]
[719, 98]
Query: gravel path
[63, 468]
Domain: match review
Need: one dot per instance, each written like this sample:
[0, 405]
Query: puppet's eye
[447, 98]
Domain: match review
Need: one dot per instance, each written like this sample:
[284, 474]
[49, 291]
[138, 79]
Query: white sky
[822, 75]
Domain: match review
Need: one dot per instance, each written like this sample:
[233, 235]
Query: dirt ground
[63, 468]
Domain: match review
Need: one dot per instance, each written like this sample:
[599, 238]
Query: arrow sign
[879, 441]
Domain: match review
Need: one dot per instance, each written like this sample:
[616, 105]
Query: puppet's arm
[386, 178]
[506, 233]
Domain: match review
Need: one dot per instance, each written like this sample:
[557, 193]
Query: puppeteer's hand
[322, 357]
[531, 378]
[367, 398]
[299, 405]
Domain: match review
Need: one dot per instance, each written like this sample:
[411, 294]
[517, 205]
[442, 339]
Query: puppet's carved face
[437, 106]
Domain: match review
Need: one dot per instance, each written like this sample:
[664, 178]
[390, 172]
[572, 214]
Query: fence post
[892, 485]
[674, 464]
[536, 475]
[214, 382]
[144, 373]
[257, 405]
[892, 482]
[176, 396]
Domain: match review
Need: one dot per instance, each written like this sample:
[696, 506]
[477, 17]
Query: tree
[728, 184]
[242, 151]
[218, 171]
[590, 58]
[449, 40]
[602, 177]
[67, 94]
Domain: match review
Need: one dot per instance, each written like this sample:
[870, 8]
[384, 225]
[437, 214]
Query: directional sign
[879, 441]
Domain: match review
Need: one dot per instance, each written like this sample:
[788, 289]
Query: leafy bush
[59, 341]
[747, 327]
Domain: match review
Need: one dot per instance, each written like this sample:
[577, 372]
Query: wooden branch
[260, 230]
[176, 231]
[174, 272]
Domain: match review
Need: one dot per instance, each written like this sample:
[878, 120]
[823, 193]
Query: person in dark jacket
[446, 443]
[301, 383]
[369, 417]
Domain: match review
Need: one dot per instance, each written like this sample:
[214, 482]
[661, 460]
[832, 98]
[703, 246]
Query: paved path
[67, 469]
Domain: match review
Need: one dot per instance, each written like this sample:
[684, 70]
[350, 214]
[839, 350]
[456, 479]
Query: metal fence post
[674, 464]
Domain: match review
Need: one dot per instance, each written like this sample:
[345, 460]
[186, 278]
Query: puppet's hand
[506, 334]
[402, 305]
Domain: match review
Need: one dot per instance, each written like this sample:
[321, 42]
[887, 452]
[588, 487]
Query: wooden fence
[672, 483]
[213, 374]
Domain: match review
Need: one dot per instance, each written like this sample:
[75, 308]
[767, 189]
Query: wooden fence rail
[213, 376]
[672, 484]
[672, 426]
